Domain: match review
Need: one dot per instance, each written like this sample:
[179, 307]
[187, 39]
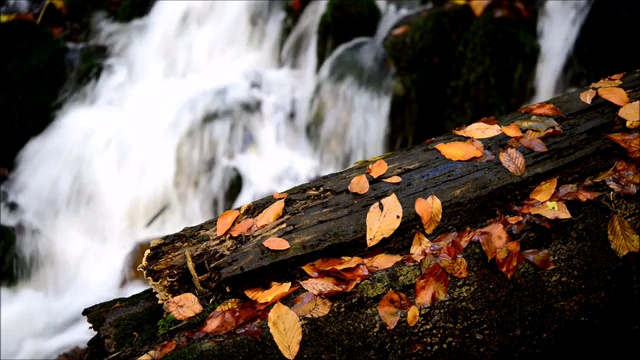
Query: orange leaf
[420, 246]
[381, 262]
[606, 82]
[225, 221]
[183, 306]
[631, 113]
[431, 286]
[430, 212]
[587, 96]
[413, 315]
[492, 238]
[159, 352]
[456, 267]
[279, 196]
[513, 160]
[262, 296]
[325, 286]
[376, 169]
[359, 184]
[621, 235]
[383, 219]
[614, 94]
[509, 258]
[393, 179]
[311, 306]
[286, 330]
[479, 130]
[229, 304]
[542, 258]
[534, 144]
[270, 214]
[276, 243]
[552, 210]
[244, 227]
[631, 142]
[459, 150]
[545, 109]
[390, 308]
[478, 6]
[400, 30]
[512, 130]
[544, 191]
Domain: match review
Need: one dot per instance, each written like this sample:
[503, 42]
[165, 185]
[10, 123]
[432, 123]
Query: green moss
[125, 328]
[344, 20]
[166, 323]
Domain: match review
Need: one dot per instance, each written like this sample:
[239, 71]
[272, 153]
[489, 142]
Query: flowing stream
[192, 96]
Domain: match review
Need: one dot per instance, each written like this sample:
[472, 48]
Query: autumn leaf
[270, 214]
[430, 212]
[431, 286]
[544, 109]
[413, 315]
[159, 352]
[420, 246]
[512, 130]
[376, 169]
[552, 210]
[383, 219]
[399, 30]
[388, 310]
[587, 96]
[606, 82]
[537, 123]
[244, 227]
[459, 150]
[393, 179]
[311, 306]
[509, 258]
[492, 238]
[263, 296]
[359, 184]
[478, 6]
[621, 235]
[534, 144]
[478, 130]
[286, 330]
[614, 94]
[225, 220]
[183, 306]
[229, 304]
[631, 113]
[513, 160]
[542, 258]
[381, 262]
[544, 191]
[325, 286]
[276, 243]
[279, 196]
[455, 266]
[631, 143]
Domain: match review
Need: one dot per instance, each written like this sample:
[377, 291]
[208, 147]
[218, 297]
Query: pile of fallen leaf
[438, 259]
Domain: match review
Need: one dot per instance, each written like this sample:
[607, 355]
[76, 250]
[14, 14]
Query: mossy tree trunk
[588, 305]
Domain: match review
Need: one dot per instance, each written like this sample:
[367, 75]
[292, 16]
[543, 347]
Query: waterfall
[558, 28]
[192, 96]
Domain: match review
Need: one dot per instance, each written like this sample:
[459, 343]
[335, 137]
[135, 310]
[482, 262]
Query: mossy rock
[345, 20]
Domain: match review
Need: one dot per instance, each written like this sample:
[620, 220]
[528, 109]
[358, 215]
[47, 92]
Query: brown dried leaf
[631, 142]
[478, 130]
[381, 262]
[430, 212]
[614, 94]
[413, 315]
[270, 214]
[325, 286]
[225, 220]
[263, 296]
[492, 238]
[420, 246]
[229, 304]
[509, 258]
[552, 210]
[544, 191]
[606, 82]
[244, 227]
[534, 144]
[286, 330]
[545, 109]
[311, 306]
[536, 123]
[389, 309]
[631, 113]
[621, 235]
[359, 184]
[542, 258]
[383, 219]
[393, 179]
[459, 150]
[276, 243]
[512, 130]
[513, 160]
[183, 306]
[431, 286]
[376, 169]
[159, 352]
[456, 266]
[587, 96]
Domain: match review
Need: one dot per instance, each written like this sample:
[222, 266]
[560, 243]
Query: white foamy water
[189, 93]
[558, 28]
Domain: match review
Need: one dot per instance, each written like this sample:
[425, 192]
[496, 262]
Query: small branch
[192, 270]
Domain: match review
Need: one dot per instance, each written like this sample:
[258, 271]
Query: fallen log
[586, 304]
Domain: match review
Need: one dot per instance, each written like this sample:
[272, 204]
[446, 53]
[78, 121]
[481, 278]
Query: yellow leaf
[544, 191]
[383, 219]
[512, 130]
[552, 210]
[359, 184]
[225, 221]
[621, 235]
[479, 130]
[430, 212]
[413, 315]
[631, 113]
[286, 330]
[263, 296]
[459, 150]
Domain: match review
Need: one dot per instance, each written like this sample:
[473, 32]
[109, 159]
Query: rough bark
[588, 304]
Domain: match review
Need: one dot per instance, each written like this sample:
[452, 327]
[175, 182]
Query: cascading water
[558, 28]
[191, 96]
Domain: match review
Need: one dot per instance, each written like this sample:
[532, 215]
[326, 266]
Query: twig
[192, 270]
